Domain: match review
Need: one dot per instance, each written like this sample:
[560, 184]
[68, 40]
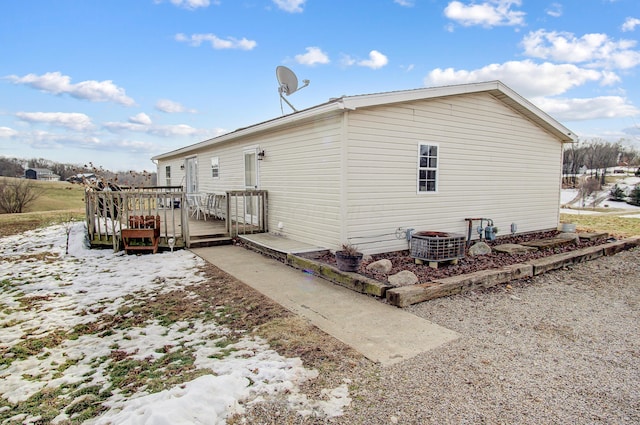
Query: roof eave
[264, 126]
[496, 88]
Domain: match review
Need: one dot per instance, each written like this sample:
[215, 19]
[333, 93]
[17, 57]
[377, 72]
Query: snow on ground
[65, 290]
[631, 216]
[569, 198]
[568, 195]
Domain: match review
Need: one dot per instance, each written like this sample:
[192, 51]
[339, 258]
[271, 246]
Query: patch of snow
[65, 290]
[601, 198]
[568, 195]
[630, 216]
[579, 212]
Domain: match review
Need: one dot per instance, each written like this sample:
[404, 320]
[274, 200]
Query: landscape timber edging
[354, 281]
[407, 295]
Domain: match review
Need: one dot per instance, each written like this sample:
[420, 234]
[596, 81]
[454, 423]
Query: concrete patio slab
[382, 333]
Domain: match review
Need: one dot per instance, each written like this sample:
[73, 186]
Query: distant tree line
[596, 156]
[15, 167]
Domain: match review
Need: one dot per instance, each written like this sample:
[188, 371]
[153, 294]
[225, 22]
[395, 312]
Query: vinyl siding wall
[300, 170]
[493, 163]
[177, 175]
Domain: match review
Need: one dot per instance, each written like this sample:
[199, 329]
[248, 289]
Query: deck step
[208, 236]
[202, 242]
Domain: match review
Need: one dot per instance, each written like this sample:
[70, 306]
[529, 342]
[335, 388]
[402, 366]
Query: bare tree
[597, 155]
[11, 167]
[17, 194]
[573, 160]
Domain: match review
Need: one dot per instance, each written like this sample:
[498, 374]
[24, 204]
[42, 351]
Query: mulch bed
[402, 260]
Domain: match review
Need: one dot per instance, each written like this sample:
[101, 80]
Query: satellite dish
[288, 84]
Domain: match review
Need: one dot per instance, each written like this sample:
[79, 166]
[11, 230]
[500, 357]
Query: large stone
[592, 236]
[514, 248]
[570, 236]
[479, 248]
[381, 266]
[403, 278]
[548, 243]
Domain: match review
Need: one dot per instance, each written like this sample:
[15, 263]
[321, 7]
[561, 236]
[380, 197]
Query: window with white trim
[427, 168]
[215, 167]
[167, 175]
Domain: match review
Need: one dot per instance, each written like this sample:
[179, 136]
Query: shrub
[634, 196]
[616, 193]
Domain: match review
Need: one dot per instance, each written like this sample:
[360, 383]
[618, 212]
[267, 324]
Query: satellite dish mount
[288, 84]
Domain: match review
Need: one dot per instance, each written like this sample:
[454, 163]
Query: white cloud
[291, 6]
[555, 10]
[140, 118]
[528, 78]
[47, 140]
[630, 24]
[190, 4]
[118, 127]
[376, 60]
[313, 56]
[216, 42]
[56, 83]
[405, 3]
[490, 13]
[346, 60]
[588, 108]
[133, 145]
[595, 50]
[74, 120]
[171, 107]
[174, 130]
[6, 132]
[538, 82]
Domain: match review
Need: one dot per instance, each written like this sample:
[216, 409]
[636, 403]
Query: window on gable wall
[215, 167]
[167, 175]
[427, 168]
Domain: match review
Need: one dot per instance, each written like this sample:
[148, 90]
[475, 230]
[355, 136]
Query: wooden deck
[198, 228]
[180, 220]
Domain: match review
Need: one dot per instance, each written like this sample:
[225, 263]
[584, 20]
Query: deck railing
[110, 211]
[247, 212]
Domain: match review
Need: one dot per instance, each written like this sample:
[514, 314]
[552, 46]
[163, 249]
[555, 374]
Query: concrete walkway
[382, 333]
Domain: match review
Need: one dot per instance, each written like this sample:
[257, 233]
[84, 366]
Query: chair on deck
[217, 205]
[196, 206]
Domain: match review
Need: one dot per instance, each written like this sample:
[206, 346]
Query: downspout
[344, 179]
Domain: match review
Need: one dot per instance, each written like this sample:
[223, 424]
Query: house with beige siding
[366, 169]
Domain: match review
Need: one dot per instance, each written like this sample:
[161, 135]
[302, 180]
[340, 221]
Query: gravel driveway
[560, 348]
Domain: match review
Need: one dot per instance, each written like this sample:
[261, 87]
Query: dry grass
[56, 196]
[59, 196]
[620, 227]
[12, 224]
[60, 202]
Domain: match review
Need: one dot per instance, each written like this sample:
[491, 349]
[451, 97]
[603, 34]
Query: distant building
[40, 174]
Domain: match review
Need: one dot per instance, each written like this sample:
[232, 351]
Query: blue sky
[114, 82]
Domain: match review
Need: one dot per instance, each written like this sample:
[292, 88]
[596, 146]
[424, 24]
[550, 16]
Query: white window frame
[427, 168]
[215, 167]
[167, 175]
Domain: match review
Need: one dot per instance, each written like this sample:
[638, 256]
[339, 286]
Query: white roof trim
[496, 88]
